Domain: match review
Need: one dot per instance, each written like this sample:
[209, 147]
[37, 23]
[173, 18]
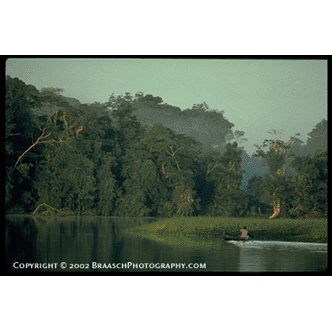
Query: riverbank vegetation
[136, 156]
[212, 228]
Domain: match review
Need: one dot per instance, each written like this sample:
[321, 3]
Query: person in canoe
[244, 234]
[243, 237]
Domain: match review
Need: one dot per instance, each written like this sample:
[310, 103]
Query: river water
[100, 244]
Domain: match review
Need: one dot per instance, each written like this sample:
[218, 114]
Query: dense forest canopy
[137, 156]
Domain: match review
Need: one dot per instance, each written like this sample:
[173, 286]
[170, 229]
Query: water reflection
[84, 240]
[271, 256]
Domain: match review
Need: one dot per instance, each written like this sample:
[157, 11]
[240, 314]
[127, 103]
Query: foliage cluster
[98, 159]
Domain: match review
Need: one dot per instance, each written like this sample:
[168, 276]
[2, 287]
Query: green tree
[141, 188]
[317, 138]
[260, 191]
[128, 129]
[209, 126]
[226, 172]
[310, 185]
[20, 133]
[275, 181]
[77, 172]
[66, 177]
[174, 155]
[108, 190]
[132, 166]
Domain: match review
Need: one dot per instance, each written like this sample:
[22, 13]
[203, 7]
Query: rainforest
[135, 156]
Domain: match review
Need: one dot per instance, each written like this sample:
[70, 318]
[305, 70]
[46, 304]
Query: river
[100, 244]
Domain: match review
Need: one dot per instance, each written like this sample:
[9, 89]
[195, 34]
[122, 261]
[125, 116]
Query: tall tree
[275, 158]
[258, 188]
[174, 155]
[208, 126]
[20, 132]
[317, 138]
[226, 172]
[66, 179]
[310, 185]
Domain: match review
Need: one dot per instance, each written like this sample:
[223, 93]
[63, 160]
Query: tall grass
[303, 230]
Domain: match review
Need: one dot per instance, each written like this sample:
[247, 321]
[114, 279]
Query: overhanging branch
[38, 141]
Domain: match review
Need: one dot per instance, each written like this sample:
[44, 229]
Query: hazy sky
[256, 95]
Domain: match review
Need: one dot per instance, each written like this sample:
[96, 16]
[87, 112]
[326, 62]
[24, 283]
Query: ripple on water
[266, 245]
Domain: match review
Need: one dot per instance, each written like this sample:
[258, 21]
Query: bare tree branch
[52, 209]
[210, 170]
[38, 141]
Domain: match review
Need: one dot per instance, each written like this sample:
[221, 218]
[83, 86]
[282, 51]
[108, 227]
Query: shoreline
[212, 228]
